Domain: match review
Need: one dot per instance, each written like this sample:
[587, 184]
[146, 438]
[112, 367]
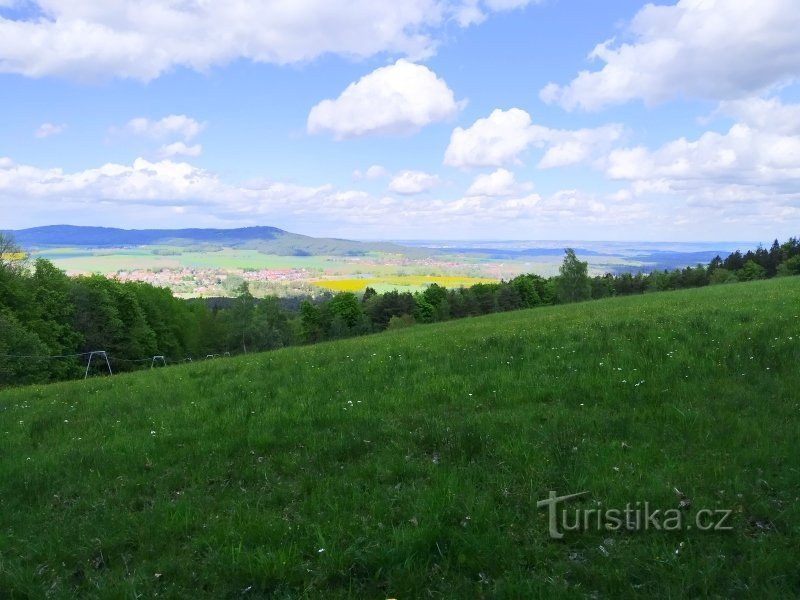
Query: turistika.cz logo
[637, 516]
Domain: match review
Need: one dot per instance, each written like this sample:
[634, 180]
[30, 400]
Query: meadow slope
[408, 464]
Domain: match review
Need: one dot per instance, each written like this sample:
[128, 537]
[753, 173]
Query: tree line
[49, 322]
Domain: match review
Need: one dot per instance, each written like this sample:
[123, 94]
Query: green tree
[573, 283]
[310, 322]
[789, 267]
[346, 306]
[23, 346]
[526, 286]
[751, 271]
[271, 324]
[241, 318]
[423, 311]
[96, 316]
[53, 322]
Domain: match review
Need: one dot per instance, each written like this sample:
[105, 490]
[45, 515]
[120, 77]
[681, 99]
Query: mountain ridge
[267, 239]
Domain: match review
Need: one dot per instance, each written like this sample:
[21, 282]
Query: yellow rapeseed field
[401, 281]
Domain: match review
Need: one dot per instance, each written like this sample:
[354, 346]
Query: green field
[110, 261]
[408, 464]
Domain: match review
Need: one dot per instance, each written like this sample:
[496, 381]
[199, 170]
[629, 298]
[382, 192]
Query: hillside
[269, 240]
[409, 464]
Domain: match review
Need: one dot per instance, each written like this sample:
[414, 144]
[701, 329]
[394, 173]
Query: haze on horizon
[426, 119]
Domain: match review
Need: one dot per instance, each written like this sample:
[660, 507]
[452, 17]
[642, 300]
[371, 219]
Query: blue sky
[427, 119]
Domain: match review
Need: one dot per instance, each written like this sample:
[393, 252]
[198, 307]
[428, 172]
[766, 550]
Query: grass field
[408, 464]
[110, 261]
[404, 283]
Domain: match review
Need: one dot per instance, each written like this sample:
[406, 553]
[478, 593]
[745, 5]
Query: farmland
[411, 283]
[217, 272]
[214, 262]
[409, 463]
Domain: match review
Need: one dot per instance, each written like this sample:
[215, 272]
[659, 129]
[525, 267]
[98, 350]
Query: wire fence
[157, 360]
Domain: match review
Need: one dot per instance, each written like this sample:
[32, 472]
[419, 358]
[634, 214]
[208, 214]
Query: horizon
[434, 119]
[416, 240]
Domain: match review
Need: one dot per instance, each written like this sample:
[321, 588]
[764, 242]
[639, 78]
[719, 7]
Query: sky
[421, 119]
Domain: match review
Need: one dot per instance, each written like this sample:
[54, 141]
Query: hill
[409, 464]
[269, 240]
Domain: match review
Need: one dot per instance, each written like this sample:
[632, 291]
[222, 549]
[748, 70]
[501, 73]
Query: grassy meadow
[408, 464]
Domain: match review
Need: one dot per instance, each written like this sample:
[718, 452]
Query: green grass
[415, 460]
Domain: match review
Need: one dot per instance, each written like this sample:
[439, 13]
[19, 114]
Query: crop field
[145, 257]
[409, 464]
[410, 283]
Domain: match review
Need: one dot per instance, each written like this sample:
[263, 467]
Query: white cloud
[176, 194]
[169, 127]
[398, 99]
[498, 183]
[413, 182]
[748, 172]
[374, 172]
[768, 114]
[143, 181]
[490, 142]
[714, 49]
[472, 12]
[49, 129]
[83, 39]
[746, 154]
[167, 193]
[503, 136]
[179, 149]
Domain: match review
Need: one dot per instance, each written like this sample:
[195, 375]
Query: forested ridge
[50, 323]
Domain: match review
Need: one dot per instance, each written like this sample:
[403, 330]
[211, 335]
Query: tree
[423, 311]
[17, 341]
[271, 325]
[751, 271]
[789, 267]
[526, 286]
[507, 297]
[310, 322]
[573, 283]
[346, 306]
[242, 317]
[50, 291]
[12, 257]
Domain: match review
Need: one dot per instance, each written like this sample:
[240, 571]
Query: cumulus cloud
[767, 114]
[169, 127]
[761, 149]
[374, 172]
[490, 142]
[498, 183]
[179, 149]
[168, 193]
[49, 129]
[413, 182]
[471, 12]
[714, 49]
[142, 40]
[397, 99]
[501, 138]
[749, 171]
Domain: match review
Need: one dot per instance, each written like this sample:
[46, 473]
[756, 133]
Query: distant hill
[269, 240]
